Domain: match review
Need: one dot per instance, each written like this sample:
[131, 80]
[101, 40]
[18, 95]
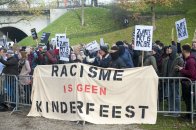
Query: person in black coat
[11, 71]
[11, 65]
[103, 57]
[116, 61]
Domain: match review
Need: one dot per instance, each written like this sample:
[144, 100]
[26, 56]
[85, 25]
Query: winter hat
[156, 49]
[119, 43]
[104, 48]
[114, 49]
[10, 52]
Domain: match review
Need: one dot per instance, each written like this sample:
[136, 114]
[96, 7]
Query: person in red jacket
[189, 71]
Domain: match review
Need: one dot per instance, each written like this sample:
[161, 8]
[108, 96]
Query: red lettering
[94, 89]
[79, 87]
[70, 88]
[64, 89]
[87, 88]
[102, 91]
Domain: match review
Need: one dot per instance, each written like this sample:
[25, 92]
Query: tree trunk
[153, 17]
[82, 15]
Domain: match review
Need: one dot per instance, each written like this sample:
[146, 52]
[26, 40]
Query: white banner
[181, 29]
[58, 36]
[64, 50]
[102, 96]
[92, 47]
[143, 38]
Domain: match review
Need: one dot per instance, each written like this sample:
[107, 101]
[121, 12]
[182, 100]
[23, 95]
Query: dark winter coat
[118, 63]
[170, 64]
[11, 66]
[126, 57]
[105, 62]
[193, 53]
[189, 70]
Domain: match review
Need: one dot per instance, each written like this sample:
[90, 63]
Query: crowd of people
[167, 61]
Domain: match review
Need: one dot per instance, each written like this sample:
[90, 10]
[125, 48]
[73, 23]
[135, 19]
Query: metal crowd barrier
[17, 92]
[170, 101]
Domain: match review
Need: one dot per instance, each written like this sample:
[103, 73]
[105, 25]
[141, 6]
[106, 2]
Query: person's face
[1, 52]
[101, 52]
[194, 46]
[82, 53]
[73, 57]
[153, 52]
[167, 51]
[184, 54]
[132, 45]
[170, 50]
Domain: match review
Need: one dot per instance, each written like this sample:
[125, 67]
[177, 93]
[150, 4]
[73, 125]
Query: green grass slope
[97, 21]
[98, 24]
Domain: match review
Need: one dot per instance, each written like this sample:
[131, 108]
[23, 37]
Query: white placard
[57, 36]
[143, 37]
[181, 29]
[102, 42]
[92, 47]
[64, 49]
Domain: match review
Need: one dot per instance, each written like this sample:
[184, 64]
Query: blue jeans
[174, 96]
[10, 88]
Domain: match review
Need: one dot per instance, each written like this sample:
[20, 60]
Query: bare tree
[3, 2]
[143, 4]
[82, 15]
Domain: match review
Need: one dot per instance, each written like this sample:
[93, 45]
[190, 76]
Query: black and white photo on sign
[44, 38]
[53, 42]
[181, 29]
[59, 36]
[92, 46]
[34, 33]
[143, 38]
[64, 49]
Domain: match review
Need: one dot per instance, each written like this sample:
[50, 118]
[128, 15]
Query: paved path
[19, 121]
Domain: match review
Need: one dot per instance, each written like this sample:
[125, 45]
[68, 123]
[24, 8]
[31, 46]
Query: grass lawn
[99, 24]
[170, 123]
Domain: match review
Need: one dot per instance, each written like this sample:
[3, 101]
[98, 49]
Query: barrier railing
[16, 91]
[170, 98]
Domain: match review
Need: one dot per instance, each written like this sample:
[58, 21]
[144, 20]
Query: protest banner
[64, 49]
[59, 36]
[98, 95]
[181, 29]
[44, 38]
[92, 46]
[34, 34]
[143, 38]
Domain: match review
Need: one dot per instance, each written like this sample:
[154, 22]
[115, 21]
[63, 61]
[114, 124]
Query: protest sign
[53, 42]
[59, 36]
[64, 50]
[98, 95]
[143, 38]
[181, 29]
[102, 42]
[34, 34]
[92, 47]
[44, 38]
